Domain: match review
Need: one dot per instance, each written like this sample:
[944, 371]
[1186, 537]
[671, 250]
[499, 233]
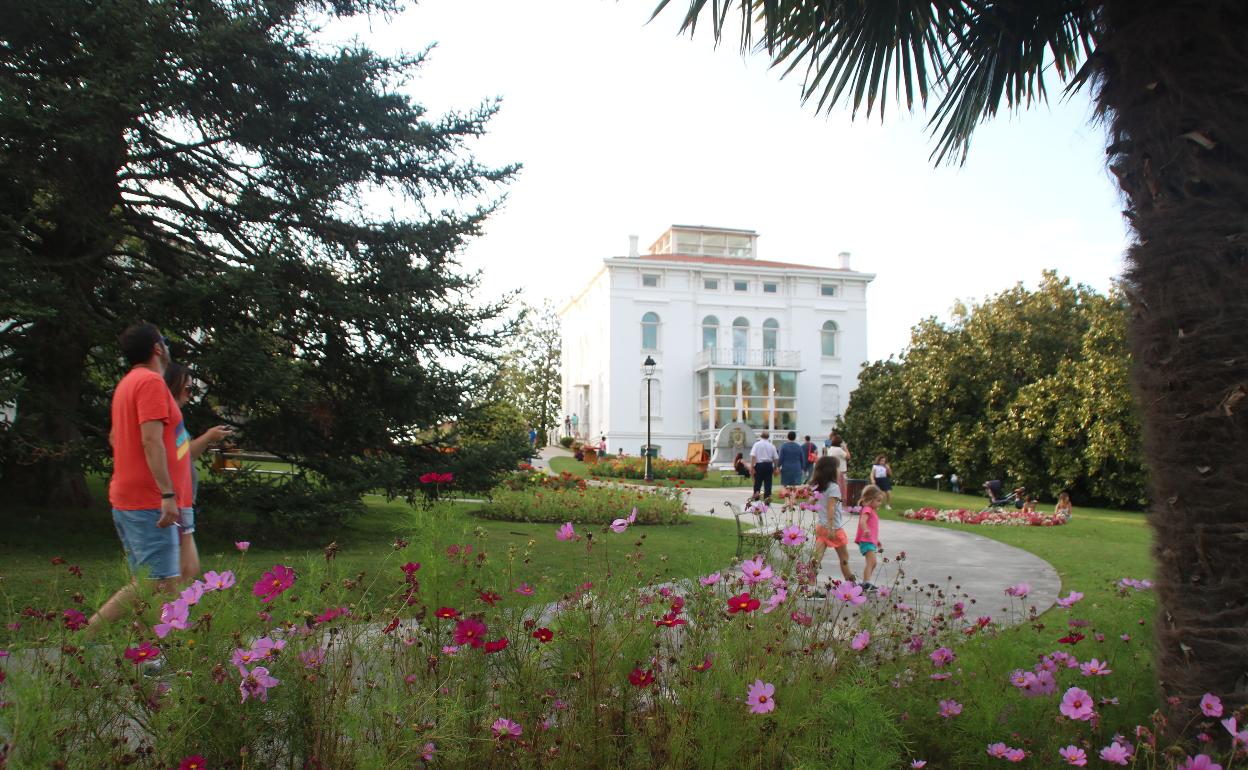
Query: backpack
[812, 456]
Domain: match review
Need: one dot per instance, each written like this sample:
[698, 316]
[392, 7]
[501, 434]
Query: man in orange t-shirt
[151, 483]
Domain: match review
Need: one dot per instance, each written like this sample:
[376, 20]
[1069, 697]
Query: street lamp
[647, 366]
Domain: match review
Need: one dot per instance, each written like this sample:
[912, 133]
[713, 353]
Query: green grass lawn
[714, 478]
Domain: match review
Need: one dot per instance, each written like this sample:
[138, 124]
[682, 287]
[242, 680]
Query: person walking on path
[882, 477]
[532, 438]
[792, 461]
[576, 421]
[151, 484]
[836, 450]
[955, 484]
[178, 378]
[812, 455]
[831, 533]
[567, 426]
[763, 458]
[868, 537]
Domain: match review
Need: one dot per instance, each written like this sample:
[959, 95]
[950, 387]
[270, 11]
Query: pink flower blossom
[427, 751]
[950, 708]
[449, 649]
[1070, 600]
[242, 545]
[74, 619]
[193, 593]
[1096, 668]
[1200, 762]
[775, 600]
[172, 615]
[273, 583]
[470, 631]
[218, 581]
[1116, 753]
[710, 579]
[144, 652]
[761, 697]
[861, 640]
[754, 571]
[256, 683]
[1125, 637]
[505, 729]
[632, 517]
[918, 764]
[1211, 705]
[524, 589]
[942, 656]
[940, 676]
[619, 525]
[1238, 737]
[1074, 756]
[793, 535]
[1019, 590]
[566, 532]
[312, 658]
[998, 750]
[1077, 704]
[1015, 755]
[850, 593]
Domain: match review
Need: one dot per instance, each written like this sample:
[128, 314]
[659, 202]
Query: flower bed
[987, 518]
[635, 468]
[581, 503]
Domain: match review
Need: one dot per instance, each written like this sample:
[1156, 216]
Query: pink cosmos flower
[1077, 704]
[1015, 755]
[1116, 753]
[1200, 762]
[801, 618]
[145, 651]
[619, 525]
[775, 600]
[942, 656]
[1019, 590]
[918, 764]
[525, 589]
[793, 535]
[998, 750]
[172, 615]
[505, 729]
[218, 581]
[761, 697]
[1070, 600]
[449, 649]
[754, 571]
[242, 545]
[940, 676]
[566, 532]
[426, 752]
[244, 658]
[1211, 705]
[1238, 737]
[950, 708]
[1125, 637]
[1096, 668]
[703, 666]
[273, 583]
[193, 593]
[312, 658]
[470, 631]
[710, 579]
[861, 640]
[848, 592]
[74, 619]
[1074, 756]
[193, 762]
[256, 683]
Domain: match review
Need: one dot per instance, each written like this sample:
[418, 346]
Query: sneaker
[817, 596]
[868, 586]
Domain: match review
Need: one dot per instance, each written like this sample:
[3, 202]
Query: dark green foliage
[274, 510]
[1030, 387]
[206, 166]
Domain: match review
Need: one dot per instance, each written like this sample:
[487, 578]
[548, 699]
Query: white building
[738, 341]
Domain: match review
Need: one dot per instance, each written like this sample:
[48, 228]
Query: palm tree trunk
[1174, 88]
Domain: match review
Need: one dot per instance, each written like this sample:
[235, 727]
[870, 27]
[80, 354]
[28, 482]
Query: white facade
[776, 345]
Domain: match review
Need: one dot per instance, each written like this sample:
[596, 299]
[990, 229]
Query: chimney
[632, 247]
[844, 258]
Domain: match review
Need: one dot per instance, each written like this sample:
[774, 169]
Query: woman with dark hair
[830, 531]
[178, 378]
[739, 465]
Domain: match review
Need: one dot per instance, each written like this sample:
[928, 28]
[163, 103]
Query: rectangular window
[770, 288]
[710, 284]
[650, 281]
[740, 285]
[827, 290]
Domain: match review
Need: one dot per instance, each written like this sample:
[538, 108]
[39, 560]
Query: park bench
[231, 461]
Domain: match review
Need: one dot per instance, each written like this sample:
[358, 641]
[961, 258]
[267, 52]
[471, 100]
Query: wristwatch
[168, 495]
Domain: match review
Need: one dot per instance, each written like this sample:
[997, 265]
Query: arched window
[710, 333]
[650, 331]
[771, 341]
[740, 339]
[828, 338]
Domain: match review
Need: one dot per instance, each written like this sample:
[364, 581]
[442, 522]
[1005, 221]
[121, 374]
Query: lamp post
[647, 366]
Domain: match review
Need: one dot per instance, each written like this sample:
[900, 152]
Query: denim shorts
[149, 549]
[186, 522]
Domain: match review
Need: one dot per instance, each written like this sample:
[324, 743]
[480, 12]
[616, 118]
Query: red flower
[74, 620]
[393, 624]
[145, 651]
[678, 604]
[670, 620]
[1072, 639]
[331, 614]
[193, 762]
[469, 631]
[56, 560]
[496, 645]
[543, 635]
[75, 570]
[703, 666]
[446, 613]
[743, 603]
[409, 570]
[489, 597]
[640, 678]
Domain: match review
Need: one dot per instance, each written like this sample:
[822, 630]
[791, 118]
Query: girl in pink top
[868, 537]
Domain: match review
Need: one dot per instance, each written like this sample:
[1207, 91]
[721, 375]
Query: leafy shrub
[635, 468]
[566, 442]
[274, 508]
[585, 504]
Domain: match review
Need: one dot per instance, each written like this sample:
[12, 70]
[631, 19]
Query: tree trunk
[1172, 84]
[47, 467]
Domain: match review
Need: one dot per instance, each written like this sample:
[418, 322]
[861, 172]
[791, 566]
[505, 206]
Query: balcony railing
[778, 359]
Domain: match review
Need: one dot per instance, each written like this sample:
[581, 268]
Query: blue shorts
[186, 523]
[866, 548]
[149, 548]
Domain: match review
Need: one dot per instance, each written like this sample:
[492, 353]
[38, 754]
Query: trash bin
[853, 490]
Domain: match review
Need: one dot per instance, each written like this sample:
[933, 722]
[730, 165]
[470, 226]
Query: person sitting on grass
[868, 537]
[831, 533]
[1064, 507]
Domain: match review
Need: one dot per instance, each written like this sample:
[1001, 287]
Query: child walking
[868, 537]
[831, 533]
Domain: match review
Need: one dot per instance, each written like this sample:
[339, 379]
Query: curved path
[980, 566]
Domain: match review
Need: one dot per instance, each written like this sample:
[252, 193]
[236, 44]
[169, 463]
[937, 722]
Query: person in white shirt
[882, 477]
[763, 457]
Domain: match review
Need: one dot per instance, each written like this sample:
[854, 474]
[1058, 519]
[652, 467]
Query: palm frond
[976, 54]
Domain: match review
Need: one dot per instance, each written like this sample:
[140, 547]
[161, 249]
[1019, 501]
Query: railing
[781, 359]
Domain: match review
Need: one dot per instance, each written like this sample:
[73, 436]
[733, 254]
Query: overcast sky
[625, 128]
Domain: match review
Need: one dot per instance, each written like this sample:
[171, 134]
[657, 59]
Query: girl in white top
[881, 476]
